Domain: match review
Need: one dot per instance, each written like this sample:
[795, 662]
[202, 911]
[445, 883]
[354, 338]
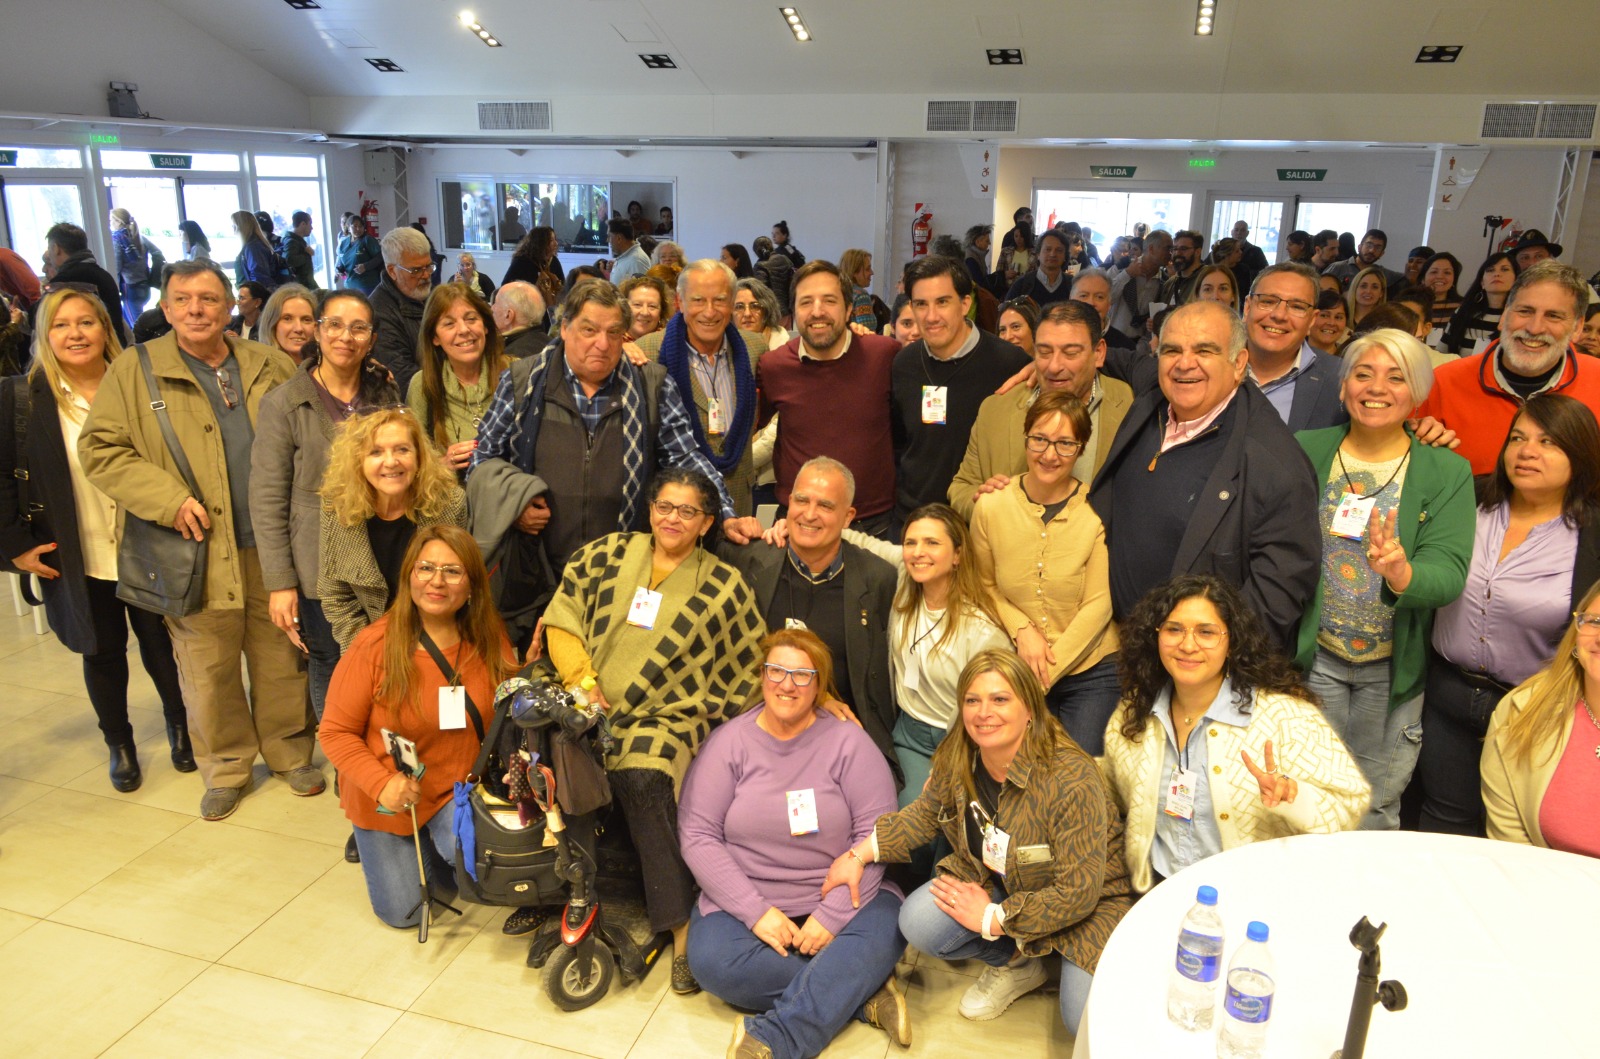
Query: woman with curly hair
[460, 356]
[1218, 741]
[534, 261]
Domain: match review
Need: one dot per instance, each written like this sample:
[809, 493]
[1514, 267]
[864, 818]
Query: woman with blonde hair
[384, 483]
[856, 267]
[133, 264]
[289, 320]
[255, 253]
[58, 527]
[1368, 289]
[460, 357]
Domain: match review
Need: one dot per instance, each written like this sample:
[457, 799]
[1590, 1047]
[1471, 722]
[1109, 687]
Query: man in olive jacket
[212, 386]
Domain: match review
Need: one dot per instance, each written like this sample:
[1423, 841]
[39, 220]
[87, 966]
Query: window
[290, 165]
[1264, 217]
[41, 157]
[1109, 214]
[32, 209]
[469, 214]
[1339, 216]
[476, 213]
[157, 160]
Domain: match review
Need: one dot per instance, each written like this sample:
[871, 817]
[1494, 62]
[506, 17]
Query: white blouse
[97, 513]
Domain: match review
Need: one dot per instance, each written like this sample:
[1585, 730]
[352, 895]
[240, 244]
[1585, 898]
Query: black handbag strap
[451, 677]
[159, 407]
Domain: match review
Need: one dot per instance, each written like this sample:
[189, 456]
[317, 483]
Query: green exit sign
[171, 161]
[1202, 163]
[104, 137]
[1302, 174]
[8, 158]
[1102, 172]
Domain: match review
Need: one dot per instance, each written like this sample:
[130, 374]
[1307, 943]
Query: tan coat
[1513, 790]
[995, 444]
[124, 455]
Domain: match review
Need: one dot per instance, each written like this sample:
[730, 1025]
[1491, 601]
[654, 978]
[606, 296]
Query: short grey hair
[833, 466]
[705, 264]
[1092, 273]
[523, 299]
[1410, 355]
[1237, 335]
[1552, 271]
[764, 297]
[183, 269]
[661, 250]
[969, 242]
[397, 242]
[1293, 268]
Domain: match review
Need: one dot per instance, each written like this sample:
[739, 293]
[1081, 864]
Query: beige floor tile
[1031, 1026]
[272, 807]
[53, 744]
[702, 1025]
[14, 794]
[201, 891]
[234, 1013]
[12, 924]
[489, 986]
[415, 1035]
[164, 787]
[66, 992]
[374, 962]
[63, 843]
[17, 701]
[47, 666]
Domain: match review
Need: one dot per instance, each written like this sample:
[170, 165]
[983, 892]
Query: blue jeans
[930, 929]
[914, 744]
[1084, 703]
[1384, 742]
[322, 651]
[390, 864]
[805, 1000]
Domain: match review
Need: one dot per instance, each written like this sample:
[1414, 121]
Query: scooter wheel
[573, 986]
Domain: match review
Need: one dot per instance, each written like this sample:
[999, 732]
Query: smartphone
[404, 753]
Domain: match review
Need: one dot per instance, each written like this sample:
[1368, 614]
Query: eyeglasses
[802, 677]
[419, 270]
[686, 512]
[1296, 308]
[425, 571]
[1038, 443]
[230, 396]
[1205, 636]
[335, 328]
[1588, 624]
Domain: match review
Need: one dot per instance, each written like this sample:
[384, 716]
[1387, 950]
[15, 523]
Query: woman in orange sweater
[442, 631]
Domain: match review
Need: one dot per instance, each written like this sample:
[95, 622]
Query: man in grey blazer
[1301, 383]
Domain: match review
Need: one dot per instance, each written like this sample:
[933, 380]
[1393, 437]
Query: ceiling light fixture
[796, 24]
[385, 66]
[658, 61]
[304, 5]
[1005, 56]
[1205, 19]
[469, 20]
[1439, 53]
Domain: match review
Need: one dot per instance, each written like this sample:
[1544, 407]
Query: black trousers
[648, 804]
[105, 673]
[1455, 718]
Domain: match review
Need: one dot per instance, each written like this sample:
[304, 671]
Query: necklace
[1592, 720]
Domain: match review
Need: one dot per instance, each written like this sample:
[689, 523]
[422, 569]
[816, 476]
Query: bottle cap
[1256, 931]
[1206, 895]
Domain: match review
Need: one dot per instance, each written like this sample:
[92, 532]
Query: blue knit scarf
[674, 356]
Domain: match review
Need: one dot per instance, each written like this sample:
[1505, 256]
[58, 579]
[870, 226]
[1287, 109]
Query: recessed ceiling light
[796, 24]
[304, 5]
[658, 61]
[1005, 56]
[1205, 18]
[385, 66]
[1439, 53]
[470, 21]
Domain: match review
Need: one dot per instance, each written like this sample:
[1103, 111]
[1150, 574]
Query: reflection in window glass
[1112, 213]
[1350, 217]
[286, 165]
[32, 209]
[469, 214]
[212, 163]
[46, 157]
[281, 199]
[1265, 218]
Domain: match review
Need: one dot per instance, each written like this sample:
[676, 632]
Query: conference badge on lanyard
[996, 843]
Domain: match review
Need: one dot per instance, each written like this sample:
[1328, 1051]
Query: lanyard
[450, 677]
[1379, 491]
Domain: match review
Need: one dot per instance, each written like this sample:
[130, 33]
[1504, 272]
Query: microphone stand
[1369, 991]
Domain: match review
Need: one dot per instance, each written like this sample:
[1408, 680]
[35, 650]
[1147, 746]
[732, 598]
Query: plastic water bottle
[1247, 1004]
[1192, 988]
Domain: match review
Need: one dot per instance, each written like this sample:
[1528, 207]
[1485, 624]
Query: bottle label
[1199, 967]
[1246, 1007]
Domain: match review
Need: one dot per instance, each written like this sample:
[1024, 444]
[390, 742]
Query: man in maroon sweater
[831, 389]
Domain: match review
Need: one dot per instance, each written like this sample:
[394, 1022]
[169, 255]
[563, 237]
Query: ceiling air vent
[1539, 121]
[519, 116]
[1513, 121]
[1566, 121]
[972, 115]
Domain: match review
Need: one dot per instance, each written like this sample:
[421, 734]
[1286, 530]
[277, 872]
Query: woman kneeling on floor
[442, 631]
[775, 795]
[1038, 866]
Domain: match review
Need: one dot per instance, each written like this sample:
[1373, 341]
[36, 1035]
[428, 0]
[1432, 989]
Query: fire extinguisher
[921, 229]
[369, 212]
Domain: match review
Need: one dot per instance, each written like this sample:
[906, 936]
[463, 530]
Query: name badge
[1180, 794]
[802, 811]
[935, 403]
[1350, 517]
[452, 708]
[996, 843]
[644, 608]
[717, 416]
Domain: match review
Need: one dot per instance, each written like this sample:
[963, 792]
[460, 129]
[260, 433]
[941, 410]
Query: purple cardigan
[733, 820]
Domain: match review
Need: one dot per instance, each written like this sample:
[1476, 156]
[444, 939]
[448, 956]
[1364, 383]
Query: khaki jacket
[1513, 790]
[124, 455]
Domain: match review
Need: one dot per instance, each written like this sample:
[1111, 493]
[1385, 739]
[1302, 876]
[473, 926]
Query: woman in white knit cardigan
[1217, 741]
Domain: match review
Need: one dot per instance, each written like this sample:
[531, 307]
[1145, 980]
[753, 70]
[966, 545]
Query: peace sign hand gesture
[1276, 788]
[1385, 554]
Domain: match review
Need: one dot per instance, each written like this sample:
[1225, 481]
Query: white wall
[1583, 246]
[61, 54]
[1520, 184]
[931, 173]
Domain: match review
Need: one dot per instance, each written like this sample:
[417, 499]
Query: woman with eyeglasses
[670, 634]
[1019, 319]
[442, 631]
[460, 358]
[338, 378]
[1218, 741]
[1534, 555]
[774, 796]
[1397, 523]
[1042, 551]
[755, 308]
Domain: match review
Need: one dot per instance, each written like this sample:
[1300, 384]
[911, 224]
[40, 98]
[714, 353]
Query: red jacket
[1468, 398]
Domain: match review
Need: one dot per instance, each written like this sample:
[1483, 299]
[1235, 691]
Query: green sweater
[1438, 517]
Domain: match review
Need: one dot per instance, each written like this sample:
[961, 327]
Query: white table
[1495, 943]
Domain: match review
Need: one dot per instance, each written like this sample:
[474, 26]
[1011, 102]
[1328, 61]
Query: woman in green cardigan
[1397, 523]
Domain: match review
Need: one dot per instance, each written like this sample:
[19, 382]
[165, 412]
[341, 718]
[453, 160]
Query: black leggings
[647, 802]
[105, 673]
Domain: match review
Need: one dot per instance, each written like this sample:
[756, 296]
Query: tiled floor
[130, 927]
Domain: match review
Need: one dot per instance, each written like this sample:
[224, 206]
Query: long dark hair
[534, 244]
[966, 592]
[432, 362]
[1475, 301]
[1572, 426]
[742, 268]
[1254, 661]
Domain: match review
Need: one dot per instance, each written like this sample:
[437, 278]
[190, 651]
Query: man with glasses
[1203, 477]
[212, 386]
[398, 300]
[1368, 253]
[1299, 381]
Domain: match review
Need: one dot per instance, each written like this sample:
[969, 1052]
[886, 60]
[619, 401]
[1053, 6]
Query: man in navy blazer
[1300, 382]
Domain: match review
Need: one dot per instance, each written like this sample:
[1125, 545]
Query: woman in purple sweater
[772, 798]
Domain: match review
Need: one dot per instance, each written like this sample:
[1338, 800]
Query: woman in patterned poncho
[671, 635]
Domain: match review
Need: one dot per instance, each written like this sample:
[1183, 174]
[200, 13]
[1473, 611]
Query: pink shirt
[1567, 813]
[1177, 433]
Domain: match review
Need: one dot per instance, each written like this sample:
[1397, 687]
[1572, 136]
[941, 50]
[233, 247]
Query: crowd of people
[1087, 569]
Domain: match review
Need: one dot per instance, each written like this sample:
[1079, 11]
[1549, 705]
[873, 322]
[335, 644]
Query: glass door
[153, 201]
[1264, 216]
[1346, 216]
[212, 207]
[32, 209]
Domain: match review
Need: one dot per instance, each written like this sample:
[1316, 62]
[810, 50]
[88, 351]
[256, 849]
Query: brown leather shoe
[744, 1046]
[887, 1010]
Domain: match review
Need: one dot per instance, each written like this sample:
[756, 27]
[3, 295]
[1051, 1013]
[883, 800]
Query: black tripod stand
[1369, 991]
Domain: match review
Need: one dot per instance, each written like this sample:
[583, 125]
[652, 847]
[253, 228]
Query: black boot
[182, 751]
[125, 775]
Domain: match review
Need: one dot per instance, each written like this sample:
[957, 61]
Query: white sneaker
[998, 987]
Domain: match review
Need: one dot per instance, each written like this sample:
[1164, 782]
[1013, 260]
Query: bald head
[517, 305]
